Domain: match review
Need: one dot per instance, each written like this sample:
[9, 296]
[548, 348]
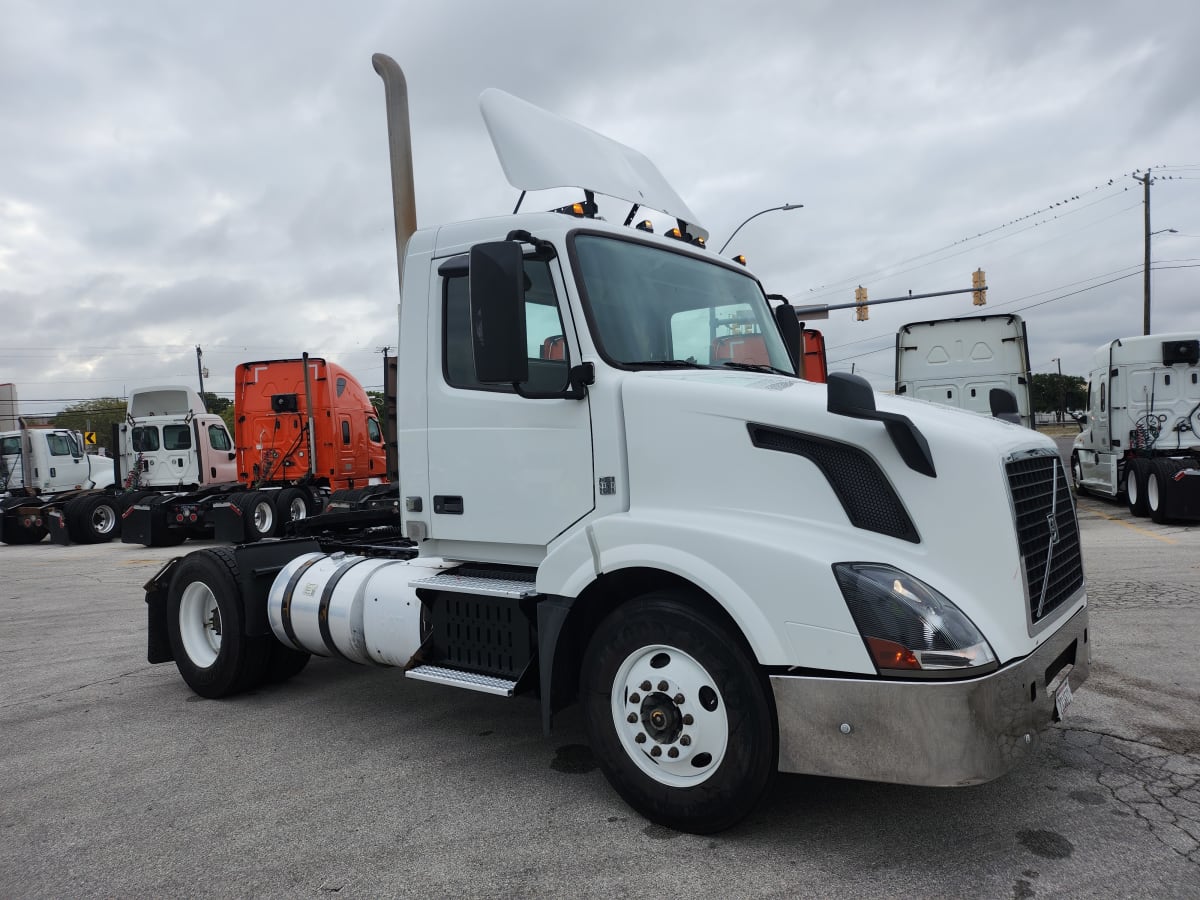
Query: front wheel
[205, 626]
[1077, 475]
[678, 714]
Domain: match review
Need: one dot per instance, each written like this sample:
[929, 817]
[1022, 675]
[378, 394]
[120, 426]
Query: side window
[10, 446]
[373, 432]
[218, 438]
[346, 432]
[58, 444]
[145, 438]
[1102, 396]
[546, 345]
[177, 437]
[340, 386]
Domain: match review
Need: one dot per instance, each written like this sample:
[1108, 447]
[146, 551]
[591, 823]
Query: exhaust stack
[404, 202]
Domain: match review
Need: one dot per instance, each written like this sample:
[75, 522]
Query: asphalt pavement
[117, 781]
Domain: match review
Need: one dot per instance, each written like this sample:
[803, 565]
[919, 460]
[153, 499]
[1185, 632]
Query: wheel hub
[669, 716]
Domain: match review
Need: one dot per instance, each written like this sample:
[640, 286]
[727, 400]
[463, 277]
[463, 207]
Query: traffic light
[978, 297]
[861, 312]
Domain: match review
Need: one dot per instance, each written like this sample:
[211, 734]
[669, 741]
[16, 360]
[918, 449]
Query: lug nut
[641, 738]
[635, 698]
[685, 740]
[679, 699]
[632, 718]
[663, 686]
[646, 685]
[656, 750]
[687, 719]
[673, 752]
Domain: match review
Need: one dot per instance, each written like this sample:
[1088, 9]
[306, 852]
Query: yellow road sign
[89, 438]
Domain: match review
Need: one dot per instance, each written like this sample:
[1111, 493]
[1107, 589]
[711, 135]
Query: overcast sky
[178, 174]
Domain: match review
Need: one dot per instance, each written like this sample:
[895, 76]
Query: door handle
[447, 505]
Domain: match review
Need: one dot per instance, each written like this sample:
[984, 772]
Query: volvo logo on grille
[1052, 522]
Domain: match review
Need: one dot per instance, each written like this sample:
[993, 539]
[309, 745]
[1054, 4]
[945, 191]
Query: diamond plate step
[470, 584]
[486, 684]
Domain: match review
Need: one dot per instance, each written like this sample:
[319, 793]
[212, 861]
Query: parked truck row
[733, 570]
[305, 435]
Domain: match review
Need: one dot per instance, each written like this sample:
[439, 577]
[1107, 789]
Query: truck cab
[1139, 438]
[959, 362]
[170, 440]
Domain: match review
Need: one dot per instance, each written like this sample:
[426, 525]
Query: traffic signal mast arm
[809, 312]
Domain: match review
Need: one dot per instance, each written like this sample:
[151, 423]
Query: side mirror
[497, 287]
[789, 329]
[232, 456]
[1003, 404]
[851, 396]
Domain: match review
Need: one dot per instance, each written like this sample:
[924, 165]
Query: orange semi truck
[304, 430]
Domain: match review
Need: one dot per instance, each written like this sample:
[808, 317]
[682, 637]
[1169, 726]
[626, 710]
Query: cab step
[472, 681]
[473, 584]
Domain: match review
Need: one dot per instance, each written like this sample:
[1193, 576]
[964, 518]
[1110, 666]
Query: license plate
[1062, 700]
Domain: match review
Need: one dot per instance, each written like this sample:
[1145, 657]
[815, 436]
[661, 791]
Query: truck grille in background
[1039, 485]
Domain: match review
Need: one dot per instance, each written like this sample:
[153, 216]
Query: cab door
[504, 468]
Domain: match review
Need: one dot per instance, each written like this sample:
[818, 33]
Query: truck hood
[720, 440]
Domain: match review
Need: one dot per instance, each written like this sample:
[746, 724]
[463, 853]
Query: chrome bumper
[932, 733]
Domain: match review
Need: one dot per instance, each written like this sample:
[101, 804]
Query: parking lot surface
[116, 780]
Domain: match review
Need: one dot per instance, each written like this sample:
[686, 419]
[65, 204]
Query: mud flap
[56, 524]
[137, 524]
[1181, 494]
[158, 645]
[228, 525]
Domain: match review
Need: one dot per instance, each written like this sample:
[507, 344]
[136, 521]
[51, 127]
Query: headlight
[907, 625]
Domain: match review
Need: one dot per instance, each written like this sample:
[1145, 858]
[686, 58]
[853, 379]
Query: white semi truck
[1141, 439]
[733, 570]
[959, 362]
[45, 470]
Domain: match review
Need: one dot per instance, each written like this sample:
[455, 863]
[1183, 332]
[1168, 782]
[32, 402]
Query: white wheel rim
[264, 516]
[297, 509]
[200, 624]
[1152, 491]
[104, 519]
[685, 723]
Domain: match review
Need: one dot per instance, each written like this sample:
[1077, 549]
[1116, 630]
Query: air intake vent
[865, 493]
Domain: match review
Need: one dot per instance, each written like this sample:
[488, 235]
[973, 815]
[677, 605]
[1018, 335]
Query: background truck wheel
[1077, 476]
[1160, 480]
[678, 714]
[258, 514]
[293, 504]
[205, 627]
[284, 662]
[1136, 472]
[93, 519]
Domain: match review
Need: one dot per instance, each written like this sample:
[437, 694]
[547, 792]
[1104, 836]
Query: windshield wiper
[758, 367]
[668, 364]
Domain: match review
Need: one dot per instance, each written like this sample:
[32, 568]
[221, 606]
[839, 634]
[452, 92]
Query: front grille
[1053, 569]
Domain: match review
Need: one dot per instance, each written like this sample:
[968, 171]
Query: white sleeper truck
[733, 570]
[960, 362]
[1141, 439]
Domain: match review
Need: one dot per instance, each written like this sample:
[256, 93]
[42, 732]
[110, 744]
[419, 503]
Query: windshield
[650, 306]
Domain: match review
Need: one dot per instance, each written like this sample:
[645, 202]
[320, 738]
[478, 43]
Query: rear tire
[258, 514]
[205, 625]
[1158, 482]
[1136, 474]
[698, 754]
[293, 504]
[94, 518]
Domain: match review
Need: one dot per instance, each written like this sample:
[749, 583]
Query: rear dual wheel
[93, 518]
[678, 714]
[259, 516]
[1136, 488]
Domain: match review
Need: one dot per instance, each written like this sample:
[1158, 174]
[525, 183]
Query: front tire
[205, 625]
[1077, 476]
[678, 714]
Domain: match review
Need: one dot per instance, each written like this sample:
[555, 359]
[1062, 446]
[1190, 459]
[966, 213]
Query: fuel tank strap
[285, 606]
[326, 597]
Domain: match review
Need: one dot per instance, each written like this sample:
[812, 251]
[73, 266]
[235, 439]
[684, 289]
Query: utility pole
[200, 372]
[1146, 181]
[1062, 398]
